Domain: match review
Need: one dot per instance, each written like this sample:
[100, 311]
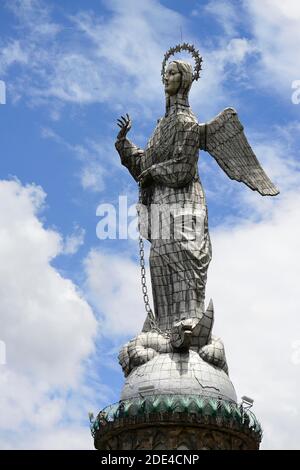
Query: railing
[190, 404]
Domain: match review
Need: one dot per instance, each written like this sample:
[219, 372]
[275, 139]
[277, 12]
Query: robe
[172, 197]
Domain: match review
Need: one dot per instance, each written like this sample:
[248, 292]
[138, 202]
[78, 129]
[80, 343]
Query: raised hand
[125, 124]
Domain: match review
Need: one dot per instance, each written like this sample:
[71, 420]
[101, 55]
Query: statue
[167, 173]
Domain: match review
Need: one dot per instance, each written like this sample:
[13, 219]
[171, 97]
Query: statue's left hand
[125, 124]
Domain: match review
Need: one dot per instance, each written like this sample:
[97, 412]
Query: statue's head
[178, 78]
[179, 75]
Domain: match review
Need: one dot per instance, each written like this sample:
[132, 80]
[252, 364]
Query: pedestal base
[176, 423]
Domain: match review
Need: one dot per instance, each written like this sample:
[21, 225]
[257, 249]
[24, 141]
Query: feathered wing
[224, 139]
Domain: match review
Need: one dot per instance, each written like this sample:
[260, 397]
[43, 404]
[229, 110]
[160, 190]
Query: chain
[143, 274]
[143, 277]
[150, 314]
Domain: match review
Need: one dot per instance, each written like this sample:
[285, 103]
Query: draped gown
[169, 170]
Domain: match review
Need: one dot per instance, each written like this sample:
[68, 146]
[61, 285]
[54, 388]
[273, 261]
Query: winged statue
[169, 185]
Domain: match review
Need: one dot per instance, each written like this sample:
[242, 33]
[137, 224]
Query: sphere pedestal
[178, 373]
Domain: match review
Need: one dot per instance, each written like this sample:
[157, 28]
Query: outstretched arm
[129, 153]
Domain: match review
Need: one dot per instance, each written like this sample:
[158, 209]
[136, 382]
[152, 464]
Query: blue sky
[69, 300]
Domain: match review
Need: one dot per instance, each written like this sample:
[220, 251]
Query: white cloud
[12, 54]
[47, 326]
[37, 13]
[275, 33]
[26, 247]
[103, 58]
[224, 63]
[73, 242]
[224, 12]
[117, 59]
[70, 438]
[114, 288]
[92, 178]
[94, 156]
[275, 26]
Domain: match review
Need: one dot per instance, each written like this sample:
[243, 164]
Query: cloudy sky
[68, 299]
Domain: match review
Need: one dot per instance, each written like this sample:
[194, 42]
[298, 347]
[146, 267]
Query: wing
[225, 140]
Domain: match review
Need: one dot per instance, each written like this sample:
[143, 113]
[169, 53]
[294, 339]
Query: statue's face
[172, 79]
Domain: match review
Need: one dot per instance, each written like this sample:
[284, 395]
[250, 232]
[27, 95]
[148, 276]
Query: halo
[183, 47]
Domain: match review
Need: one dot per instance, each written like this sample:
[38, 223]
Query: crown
[183, 47]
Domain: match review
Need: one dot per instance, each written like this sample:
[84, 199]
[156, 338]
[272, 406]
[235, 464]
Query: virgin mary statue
[167, 172]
